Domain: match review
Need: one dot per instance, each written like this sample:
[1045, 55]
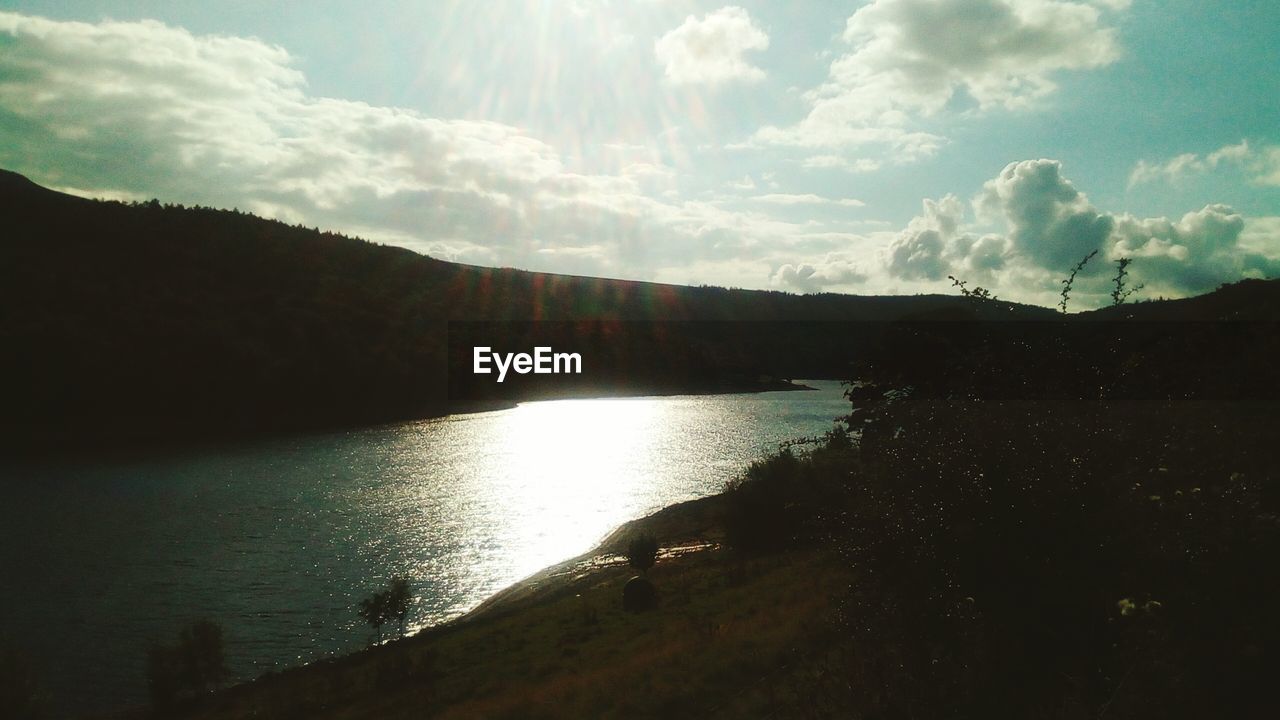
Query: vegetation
[1121, 293]
[977, 292]
[1047, 521]
[1049, 524]
[390, 604]
[149, 321]
[642, 552]
[192, 667]
[1071, 279]
[1067, 519]
[721, 644]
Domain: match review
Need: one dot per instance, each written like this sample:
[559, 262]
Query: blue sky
[850, 147]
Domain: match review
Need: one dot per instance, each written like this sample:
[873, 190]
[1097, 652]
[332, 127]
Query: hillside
[142, 322]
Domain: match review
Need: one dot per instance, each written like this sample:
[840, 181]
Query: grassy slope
[560, 644]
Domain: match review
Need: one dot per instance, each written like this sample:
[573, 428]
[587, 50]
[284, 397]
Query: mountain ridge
[143, 321]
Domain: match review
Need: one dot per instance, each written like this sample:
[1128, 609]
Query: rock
[639, 595]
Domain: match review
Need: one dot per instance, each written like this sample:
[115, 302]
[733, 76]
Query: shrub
[639, 595]
[642, 552]
[760, 506]
[195, 665]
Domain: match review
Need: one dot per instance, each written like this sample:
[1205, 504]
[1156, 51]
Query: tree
[399, 596]
[642, 552]
[390, 604]
[195, 665]
[374, 611]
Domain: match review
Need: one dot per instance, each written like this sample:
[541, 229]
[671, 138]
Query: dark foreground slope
[147, 321]
[1047, 520]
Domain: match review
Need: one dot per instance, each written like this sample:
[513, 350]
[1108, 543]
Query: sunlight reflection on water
[279, 541]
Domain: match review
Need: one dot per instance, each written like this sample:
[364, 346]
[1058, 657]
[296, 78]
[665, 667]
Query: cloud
[933, 246]
[836, 269]
[806, 199]
[132, 109]
[1262, 163]
[912, 59]
[1049, 225]
[837, 162]
[1050, 222]
[711, 50]
[1194, 254]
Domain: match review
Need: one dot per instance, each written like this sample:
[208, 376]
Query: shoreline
[109, 449]
[684, 530]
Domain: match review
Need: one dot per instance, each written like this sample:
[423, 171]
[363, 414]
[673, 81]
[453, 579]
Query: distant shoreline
[126, 446]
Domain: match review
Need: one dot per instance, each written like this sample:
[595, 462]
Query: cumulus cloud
[917, 252]
[1262, 163]
[1050, 222]
[835, 270]
[911, 59]
[1049, 225]
[712, 49]
[933, 246]
[129, 109]
[1193, 254]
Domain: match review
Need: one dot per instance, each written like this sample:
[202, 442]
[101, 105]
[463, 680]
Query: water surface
[280, 540]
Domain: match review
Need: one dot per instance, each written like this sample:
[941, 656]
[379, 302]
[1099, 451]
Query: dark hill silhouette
[145, 321]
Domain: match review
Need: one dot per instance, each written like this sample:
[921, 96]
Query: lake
[280, 540]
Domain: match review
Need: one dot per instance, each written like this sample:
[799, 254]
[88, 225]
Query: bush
[188, 669]
[1026, 544]
[642, 552]
[762, 508]
[1042, 527]
[639, 595]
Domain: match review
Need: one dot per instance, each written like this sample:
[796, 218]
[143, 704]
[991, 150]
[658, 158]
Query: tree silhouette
[399, 595]
[374, 611]
[642, 552]
[195, 665]
[390, 604]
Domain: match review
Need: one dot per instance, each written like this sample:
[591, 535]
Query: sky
[869, 148]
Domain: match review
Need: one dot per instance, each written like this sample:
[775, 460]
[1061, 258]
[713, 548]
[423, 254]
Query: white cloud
[837, 162]
[1193, 254]
[835, 270]
[917, 253]
[1049, 226]
[712, 50]
[1050, 222]
[1262, 164]
[129, 109]
[135, 109]
[806, 199]
[911, 59]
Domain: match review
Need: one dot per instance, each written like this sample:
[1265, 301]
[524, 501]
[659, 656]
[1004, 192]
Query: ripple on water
[280, 540]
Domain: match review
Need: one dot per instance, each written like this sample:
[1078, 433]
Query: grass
[720, 644]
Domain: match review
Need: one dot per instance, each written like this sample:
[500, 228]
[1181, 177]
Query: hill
[142, 322]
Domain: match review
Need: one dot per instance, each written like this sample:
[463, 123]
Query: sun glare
[562, 467]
